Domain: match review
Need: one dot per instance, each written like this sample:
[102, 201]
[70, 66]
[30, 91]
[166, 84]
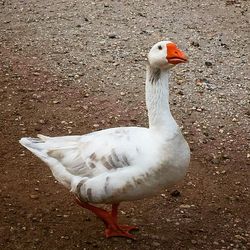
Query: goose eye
[160, 47]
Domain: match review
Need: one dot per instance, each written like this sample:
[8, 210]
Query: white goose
[125, 163]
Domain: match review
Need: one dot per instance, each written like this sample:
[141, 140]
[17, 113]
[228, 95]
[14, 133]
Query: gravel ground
[71, 67]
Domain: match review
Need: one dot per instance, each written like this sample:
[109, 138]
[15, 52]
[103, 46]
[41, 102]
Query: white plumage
[127, 163]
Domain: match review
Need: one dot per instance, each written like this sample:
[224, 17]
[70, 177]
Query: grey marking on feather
[111, 161]
[154, 75]
[106, 184]
[113, 154]
[55, 153]
[125, 160]
[78, 169]
[89, 194]
[78, 166]
[78, 189]
[106, 163]
[93, 157]
[92, 165]
[139, 181]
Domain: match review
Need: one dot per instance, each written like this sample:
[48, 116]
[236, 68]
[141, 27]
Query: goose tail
[39, 147]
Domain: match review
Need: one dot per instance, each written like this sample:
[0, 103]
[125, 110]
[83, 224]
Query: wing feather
[95, 153]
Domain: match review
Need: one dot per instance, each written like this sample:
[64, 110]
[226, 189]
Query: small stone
[208, 64]
[193, 242]
[239, 237]
[225, 157]
[112, 36]
[34, 196]
[50, 128]
[185, 206]
[215, 160]
[96, 125]
[41, 121]
[156, 244]
[175, 193]
[66, 237]
[180, 92]
[38, 128]
[56, 101]
[195, 44]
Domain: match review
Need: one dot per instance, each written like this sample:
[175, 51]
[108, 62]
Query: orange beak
[175, 55]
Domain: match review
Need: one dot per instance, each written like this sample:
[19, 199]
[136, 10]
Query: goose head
[165, 55]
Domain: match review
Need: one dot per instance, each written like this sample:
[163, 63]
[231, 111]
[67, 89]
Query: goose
[124, 163]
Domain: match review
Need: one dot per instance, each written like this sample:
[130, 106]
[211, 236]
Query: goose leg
[110, 220]
[114, 214]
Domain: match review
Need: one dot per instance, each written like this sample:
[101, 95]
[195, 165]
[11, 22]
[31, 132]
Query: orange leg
[114, 214]
[110, 220]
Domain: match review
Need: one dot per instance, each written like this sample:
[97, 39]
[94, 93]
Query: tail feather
[35, 145]
[39, 147]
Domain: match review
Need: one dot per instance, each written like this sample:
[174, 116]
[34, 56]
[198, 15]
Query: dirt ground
[71, 67]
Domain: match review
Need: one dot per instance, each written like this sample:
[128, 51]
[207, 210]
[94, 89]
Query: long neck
[157, 101]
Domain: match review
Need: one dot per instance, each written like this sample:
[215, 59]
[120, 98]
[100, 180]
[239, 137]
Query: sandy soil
[71, 67]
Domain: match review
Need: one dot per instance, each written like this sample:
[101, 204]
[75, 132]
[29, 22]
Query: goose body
[125, 163]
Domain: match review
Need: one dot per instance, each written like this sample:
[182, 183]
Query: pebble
[195, 44]
[175, 193]
[185, 206]
[34, 196]
[208, 64]
[66, 237]
[112, 35]
[156, 244]
[41, 121]
[180, 92]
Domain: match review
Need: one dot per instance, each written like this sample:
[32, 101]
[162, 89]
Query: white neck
[157, 101]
